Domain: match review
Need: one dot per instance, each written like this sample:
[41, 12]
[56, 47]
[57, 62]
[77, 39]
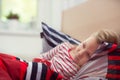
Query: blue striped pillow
[54, 37]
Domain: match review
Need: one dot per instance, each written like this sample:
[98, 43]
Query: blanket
[113, 72]
[14, 68]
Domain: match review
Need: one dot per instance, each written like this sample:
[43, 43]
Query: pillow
[54, 37]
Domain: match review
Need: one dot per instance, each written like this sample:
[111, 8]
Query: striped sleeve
[63, 63]
[48, 55]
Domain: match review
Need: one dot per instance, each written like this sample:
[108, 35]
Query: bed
[77, 24]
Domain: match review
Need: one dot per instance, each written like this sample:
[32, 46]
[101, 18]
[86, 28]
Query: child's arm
[49, 54]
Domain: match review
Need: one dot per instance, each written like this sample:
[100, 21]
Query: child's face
[86, 49]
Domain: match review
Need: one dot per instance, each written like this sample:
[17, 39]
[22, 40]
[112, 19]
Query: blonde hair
[107, 36]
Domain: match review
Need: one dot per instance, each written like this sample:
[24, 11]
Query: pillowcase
[54, 37]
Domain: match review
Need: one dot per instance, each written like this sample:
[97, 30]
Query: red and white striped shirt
[61, 60]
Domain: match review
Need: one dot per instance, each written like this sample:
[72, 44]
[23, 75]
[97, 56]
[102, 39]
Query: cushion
[54, 37]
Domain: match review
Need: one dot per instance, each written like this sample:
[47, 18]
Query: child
[67, 58]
